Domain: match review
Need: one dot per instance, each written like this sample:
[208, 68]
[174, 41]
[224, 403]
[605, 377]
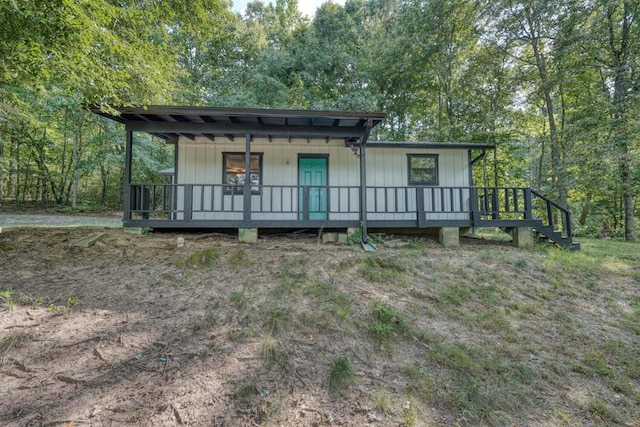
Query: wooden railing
[503, 204]
[478, 206]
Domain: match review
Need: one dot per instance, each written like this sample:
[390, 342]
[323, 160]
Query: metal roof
[170, 122]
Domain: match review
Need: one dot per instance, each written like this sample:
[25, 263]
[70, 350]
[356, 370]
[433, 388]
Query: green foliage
[558, 98]
[341, 376]
[355, 238]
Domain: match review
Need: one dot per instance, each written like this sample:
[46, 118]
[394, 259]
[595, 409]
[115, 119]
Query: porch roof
[171, 122]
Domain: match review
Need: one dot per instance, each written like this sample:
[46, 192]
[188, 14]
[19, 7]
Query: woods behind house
[554, 85]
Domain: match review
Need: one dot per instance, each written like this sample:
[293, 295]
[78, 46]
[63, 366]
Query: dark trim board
[283, 224]
[430, 145]
[159, 223]
[506, 223]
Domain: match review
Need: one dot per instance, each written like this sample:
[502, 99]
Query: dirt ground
[142, 330]
[120, 333]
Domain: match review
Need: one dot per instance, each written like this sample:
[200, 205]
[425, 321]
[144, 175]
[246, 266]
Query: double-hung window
[234, 170]
[423, 169]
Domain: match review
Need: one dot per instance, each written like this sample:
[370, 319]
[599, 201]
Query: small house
[251, 169]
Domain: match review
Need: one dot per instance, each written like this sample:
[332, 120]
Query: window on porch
[234, 169]
[423, 169]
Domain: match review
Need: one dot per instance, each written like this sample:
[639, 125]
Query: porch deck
[293, 207]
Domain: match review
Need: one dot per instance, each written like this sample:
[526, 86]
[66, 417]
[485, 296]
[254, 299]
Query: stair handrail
[566, 213]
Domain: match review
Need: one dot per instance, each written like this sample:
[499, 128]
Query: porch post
[363, 193]
[363, 180]
[247, 178]
[128, 152]
[174, 181]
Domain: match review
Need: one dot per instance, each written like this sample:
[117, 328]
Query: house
[251, 169]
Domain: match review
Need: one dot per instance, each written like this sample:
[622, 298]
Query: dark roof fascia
[246, 112]
[134, 118]
[430, 145]
[236, 112]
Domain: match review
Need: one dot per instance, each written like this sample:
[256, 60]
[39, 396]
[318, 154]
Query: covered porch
[253, 168]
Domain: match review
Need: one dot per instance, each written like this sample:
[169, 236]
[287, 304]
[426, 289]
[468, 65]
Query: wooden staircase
[509, 208]
[556, 237]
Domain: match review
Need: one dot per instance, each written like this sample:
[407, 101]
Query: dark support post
[550, 214]
[188, 202]
[420, 206]
[128, 155]
[528, 209]
[305, 202]
[146, 205]
[568, 224]
[174, 181]
[475, 211]
[363, 180]
[495, 209]
[247, 178]
[363, 193]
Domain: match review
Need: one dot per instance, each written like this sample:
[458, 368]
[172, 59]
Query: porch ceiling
[171, 122]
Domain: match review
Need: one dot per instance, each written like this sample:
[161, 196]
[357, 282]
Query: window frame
[238, 190]
[436, 169]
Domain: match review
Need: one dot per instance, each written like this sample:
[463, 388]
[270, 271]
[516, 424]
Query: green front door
[312, 177]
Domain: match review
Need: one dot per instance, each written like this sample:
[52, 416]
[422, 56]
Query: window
[423, 169]
[233, 167]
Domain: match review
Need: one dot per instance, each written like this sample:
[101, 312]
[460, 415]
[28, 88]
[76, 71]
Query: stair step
[557, 237]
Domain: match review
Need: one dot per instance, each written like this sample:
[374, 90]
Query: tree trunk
[586, 203]
[1, 157]
[104, 182]
[14, 170]
[557, 173]
[74, 178]
[620, 50]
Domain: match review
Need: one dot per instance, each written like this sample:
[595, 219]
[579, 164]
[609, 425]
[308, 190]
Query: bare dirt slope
[135, 330]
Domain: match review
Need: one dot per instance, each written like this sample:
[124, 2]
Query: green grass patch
[341, 376]
[5, 246]
[383, 270]
[277, 320]
[294, 275]
[601, 411]
[13, 340]
[420, 383]
[239, 260]
[386, 323]
[481, 382]
[454, 294]
[325, 292]
[200, 259]
[7, 300]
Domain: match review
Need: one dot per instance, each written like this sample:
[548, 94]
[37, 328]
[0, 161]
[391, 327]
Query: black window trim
[409, 169]
[238, 190]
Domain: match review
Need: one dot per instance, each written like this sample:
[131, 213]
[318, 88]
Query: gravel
[28, 220]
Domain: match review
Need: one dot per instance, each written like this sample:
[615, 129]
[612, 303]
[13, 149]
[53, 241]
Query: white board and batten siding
[200, 163]
[388, 167]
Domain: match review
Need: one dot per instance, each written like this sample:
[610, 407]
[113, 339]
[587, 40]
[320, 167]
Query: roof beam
[243, 128]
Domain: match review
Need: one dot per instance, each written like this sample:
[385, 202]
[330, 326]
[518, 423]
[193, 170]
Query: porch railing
[477, 206]
[504, 204]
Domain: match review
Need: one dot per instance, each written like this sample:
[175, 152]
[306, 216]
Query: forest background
[555, 85]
